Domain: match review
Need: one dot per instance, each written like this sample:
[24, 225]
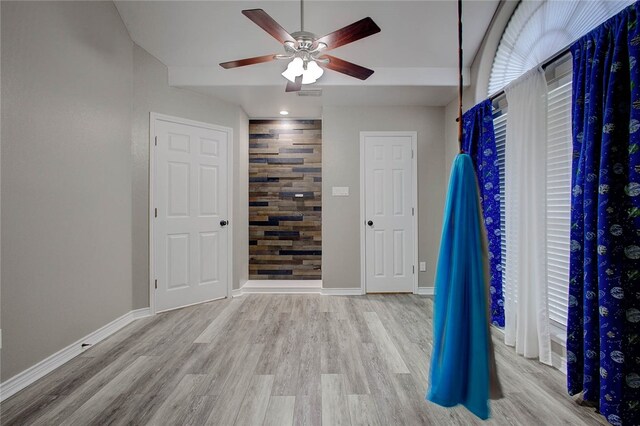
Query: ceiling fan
[307, 51]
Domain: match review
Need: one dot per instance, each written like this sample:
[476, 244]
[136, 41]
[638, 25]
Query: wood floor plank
[286, 376]
[363, 411]
[280, 411]
[256, 400]
[309, 369]
[381, 385]
[414, 406]
[29, 410]
[414, 356]
[386, 345]
[184, 404]
[28, 405]
[254, 307]
[121, 384]
[268, 362]
[280, 360]
[272, 324]
[355, 308]
[183, 330]
[209, 356]
[335, 409]
[351, 361]
[217, 324]
[330, 349]
[235, 387]
[308, 410]
[67, 404]
[166, 375]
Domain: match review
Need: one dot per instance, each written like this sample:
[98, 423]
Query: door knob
[224, 222]
[370, 223]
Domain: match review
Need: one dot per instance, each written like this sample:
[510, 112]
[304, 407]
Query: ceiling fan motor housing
[304, 40]
[306, 47]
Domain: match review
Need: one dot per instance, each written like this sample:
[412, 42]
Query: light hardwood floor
[280, 360]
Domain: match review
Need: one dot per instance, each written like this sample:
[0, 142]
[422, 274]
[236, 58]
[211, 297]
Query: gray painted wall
[77, 94]
[341, 167]
[66, 175]
[451, 147]
[151, 93]
[241, 205]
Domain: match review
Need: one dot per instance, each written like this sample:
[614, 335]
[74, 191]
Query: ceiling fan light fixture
[312, 73]
[296, 68]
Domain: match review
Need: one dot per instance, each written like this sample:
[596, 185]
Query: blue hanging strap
[462, 363]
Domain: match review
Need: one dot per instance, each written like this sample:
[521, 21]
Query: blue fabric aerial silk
[603, 333]
[479, 141]
[460, 361]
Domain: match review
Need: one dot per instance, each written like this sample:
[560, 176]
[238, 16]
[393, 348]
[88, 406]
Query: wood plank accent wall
[285, 199]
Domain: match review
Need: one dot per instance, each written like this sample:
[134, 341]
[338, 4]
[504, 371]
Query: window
[538, 30]
[559, 150]
[500, 129]
[558, 180]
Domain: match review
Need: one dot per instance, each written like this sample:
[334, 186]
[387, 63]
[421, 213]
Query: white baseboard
[426, 291]
[141, 313]
[355, 291]
[305, 287]
[559, 362]
[25, 378]
[280, 287]
[293, 287]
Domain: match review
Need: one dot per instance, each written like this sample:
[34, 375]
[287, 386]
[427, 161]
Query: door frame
[153, 117]
[414, 179]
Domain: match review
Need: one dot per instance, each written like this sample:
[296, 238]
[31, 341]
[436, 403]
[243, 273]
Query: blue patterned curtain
[478, 140]
[603, 336]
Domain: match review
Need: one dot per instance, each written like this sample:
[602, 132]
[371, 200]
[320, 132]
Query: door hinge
[414, 268]
[156, 284]
[413, 211]
[411, 153]
[155, 212]
[156, 140]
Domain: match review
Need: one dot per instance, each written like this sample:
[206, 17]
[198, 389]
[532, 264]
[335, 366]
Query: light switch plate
[340, 191]
[423, 266]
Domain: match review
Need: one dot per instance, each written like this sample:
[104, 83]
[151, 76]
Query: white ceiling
[414, 56]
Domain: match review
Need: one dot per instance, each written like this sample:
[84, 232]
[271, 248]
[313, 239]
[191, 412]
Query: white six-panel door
[191, 207]
[388, 211]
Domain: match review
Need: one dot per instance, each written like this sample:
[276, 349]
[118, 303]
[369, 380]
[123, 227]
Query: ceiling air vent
[312, 92]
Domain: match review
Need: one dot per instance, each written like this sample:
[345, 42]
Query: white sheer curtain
[526, 311]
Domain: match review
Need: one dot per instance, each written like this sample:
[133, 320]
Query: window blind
[538, 29]
[559, 147]
[500, 130]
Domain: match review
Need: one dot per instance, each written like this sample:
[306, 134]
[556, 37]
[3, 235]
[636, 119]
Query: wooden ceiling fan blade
[267, 23]
[248, 61]
[294, 86]
[356, 31]
[346, 67]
